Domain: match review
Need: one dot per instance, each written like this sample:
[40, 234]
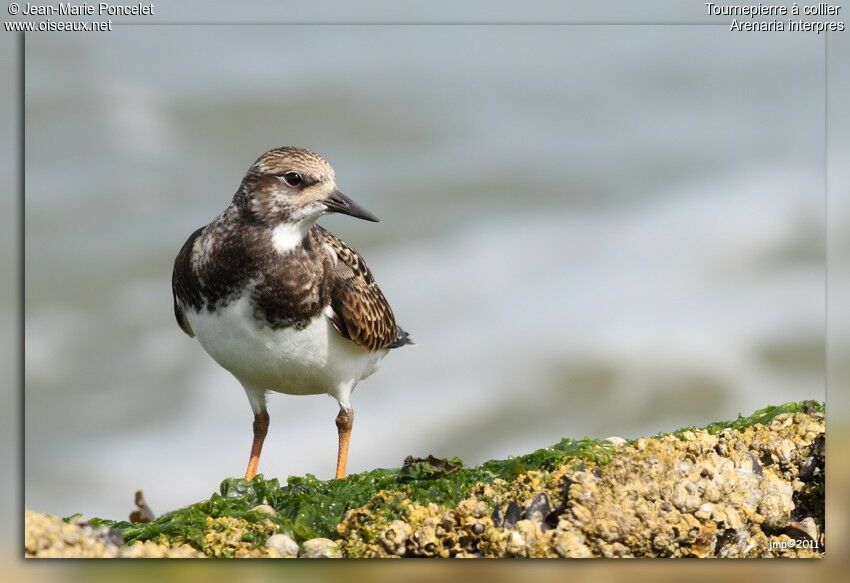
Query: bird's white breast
[313, 360]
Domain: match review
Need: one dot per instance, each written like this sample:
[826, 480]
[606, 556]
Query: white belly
[311, 361]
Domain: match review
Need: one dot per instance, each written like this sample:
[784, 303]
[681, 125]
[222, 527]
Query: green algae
[307, 507]
[760, 417]
[428, 467]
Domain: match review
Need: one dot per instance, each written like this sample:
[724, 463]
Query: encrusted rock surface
[320, 548]
[230, 537]
[51, 537]
[751, 492]
[284, 545]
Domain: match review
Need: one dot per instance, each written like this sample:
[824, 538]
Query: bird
[280, 302]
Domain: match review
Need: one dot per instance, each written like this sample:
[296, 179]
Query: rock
[697, 495]
[738, 491]
[228, 536]
[616, 441]
[571, 545]
[151, 550]
[283, 544]
[51, 537]
[776, 501]
[785, 451]
[538, 508]
[705, 511]
[320, 548]
[424, 540]
[265, 509]
[395, 537]
[516, 544]
[685, 497]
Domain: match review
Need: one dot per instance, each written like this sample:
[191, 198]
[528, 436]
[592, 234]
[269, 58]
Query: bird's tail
[402, 338]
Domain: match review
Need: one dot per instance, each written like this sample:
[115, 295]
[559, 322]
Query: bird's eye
[292, 178]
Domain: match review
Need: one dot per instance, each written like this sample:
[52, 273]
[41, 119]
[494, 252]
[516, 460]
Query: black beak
[337, 202]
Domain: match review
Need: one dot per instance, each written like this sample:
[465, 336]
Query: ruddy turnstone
[280, 302]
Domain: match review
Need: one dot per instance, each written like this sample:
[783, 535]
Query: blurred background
[587, 230]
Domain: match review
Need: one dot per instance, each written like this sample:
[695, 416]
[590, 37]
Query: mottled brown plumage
[361, 312]
[218, 262]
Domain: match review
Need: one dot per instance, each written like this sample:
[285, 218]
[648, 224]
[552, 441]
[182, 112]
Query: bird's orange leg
[344, 422]
[261, 427]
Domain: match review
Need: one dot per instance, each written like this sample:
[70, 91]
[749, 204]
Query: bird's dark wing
[361, 313]
[183, 282]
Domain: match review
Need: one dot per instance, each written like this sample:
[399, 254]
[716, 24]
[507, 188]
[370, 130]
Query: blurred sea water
[588, 231]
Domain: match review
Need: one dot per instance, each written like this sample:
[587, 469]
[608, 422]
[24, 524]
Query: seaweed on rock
[730, 489]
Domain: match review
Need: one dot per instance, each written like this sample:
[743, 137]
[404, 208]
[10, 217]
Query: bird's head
[294, 185]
